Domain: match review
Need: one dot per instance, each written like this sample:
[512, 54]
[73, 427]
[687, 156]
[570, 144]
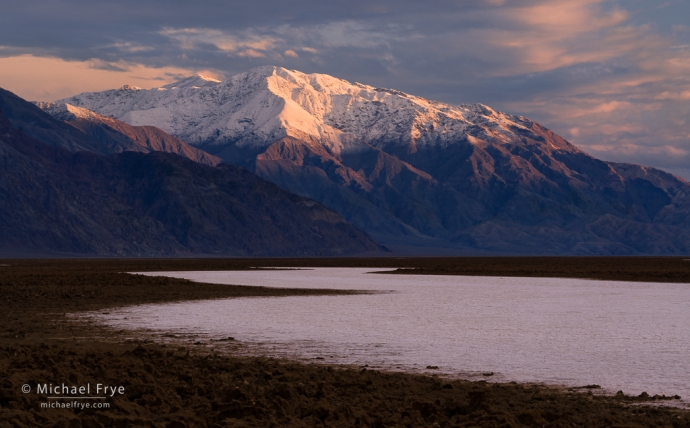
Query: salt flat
[621, 335]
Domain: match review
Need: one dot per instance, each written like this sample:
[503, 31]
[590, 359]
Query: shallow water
[623, 336]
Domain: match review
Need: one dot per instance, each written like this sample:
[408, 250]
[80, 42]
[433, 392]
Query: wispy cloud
[129, 47]
[243, 44]
[262, 42]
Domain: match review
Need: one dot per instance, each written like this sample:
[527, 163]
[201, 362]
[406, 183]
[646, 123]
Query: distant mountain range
[414, 172]
[59, 194]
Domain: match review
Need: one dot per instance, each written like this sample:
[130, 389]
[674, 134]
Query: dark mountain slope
[537, 195]
[154, 204]
[39, 125]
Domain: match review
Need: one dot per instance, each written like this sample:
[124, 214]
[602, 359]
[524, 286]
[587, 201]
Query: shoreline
[184, 385]
[239, 349]
[646, 269]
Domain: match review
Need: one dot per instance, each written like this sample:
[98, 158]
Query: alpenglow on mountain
[414, 172]
[256, 108]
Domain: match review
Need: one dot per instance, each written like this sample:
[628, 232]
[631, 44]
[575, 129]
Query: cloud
[342, 34]
[245, 43]
[346, 34]
[538, 36]
[129, 47]
[99, 64]
[684, 95]
[250, 53]
[48, 79]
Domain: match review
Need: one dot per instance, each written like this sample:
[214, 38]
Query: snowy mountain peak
[262, 105]
[196, 81]
[67, 112]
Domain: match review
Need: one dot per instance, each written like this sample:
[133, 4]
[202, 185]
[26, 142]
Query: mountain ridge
[405, 168]
[117, 136]
[272, 102]
[81, 129]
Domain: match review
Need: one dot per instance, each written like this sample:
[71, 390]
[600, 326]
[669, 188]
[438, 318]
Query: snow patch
[263, 104]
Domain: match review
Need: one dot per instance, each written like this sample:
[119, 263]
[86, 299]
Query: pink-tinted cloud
[47, 79]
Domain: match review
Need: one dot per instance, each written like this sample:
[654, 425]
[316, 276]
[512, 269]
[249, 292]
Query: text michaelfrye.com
[73, 405]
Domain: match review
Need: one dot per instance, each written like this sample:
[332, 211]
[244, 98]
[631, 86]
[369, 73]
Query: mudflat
[176, 385]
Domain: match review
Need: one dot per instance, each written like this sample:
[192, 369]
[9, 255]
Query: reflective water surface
[623, 336]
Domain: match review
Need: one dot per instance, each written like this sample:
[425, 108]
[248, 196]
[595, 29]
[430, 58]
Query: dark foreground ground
[177, 386]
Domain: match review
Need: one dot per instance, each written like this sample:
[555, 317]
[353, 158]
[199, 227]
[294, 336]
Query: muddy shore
[170, 385]
[648, 269]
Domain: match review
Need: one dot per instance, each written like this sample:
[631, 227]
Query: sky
[612, 77]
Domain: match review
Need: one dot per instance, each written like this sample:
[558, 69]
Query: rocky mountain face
[80, 129]
[156, 204]
[413, 171]
[116, 136]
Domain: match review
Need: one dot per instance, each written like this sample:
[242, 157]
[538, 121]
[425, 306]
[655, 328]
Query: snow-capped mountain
[67, 112]
[411, 171]
[260, 106]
